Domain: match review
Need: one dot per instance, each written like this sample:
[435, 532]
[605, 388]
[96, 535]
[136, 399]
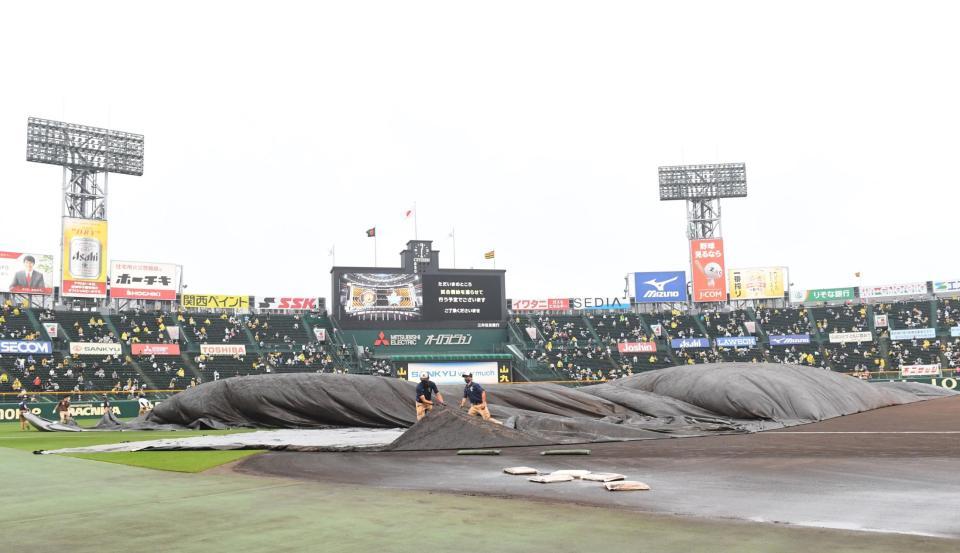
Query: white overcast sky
[275, 130]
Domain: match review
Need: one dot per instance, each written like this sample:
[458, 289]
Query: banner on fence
[637, 347]
[912, 333]
[844, 337]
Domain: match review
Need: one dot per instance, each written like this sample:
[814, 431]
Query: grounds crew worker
[478, 399]
[63, 409]
[23, 409]
[425, 391]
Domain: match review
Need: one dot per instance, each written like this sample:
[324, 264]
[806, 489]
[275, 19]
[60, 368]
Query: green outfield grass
[179, 461]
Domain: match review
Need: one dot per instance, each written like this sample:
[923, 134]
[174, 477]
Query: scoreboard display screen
[462, 297]
[365, 300]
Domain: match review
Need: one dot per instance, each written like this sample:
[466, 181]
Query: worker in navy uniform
[23, 409]
[425, 391]
[477, 396]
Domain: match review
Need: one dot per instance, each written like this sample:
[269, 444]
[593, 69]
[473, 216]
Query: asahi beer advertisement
[84, 260]
[26, 273]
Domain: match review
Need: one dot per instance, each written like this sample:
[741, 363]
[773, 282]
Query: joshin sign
[707, 264]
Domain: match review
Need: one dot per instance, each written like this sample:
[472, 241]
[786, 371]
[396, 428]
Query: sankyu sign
[736, 341]
[637, 347]
[946, 286]
[552, 304]
[94, 348]
[844, 337]
[223, 349]
[485, 372]
[599, 303]
[659, 287]
[144, 281]
[27, 347]
[913, 333]
[288, 303]
[889, 290]
[920, 370]
[679, 343]
[789, 339]
[155, 349]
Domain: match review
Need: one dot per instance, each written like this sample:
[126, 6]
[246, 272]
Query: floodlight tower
[702, 186]
[87, 155]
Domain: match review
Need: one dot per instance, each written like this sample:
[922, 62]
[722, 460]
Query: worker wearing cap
[23, 409]
[477, 397]
[425, 391]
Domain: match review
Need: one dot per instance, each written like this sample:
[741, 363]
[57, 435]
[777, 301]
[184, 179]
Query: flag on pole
[489, 255]
[408, 213]
[372, 232]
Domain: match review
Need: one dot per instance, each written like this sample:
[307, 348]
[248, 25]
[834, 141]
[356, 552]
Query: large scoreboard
[418, 295]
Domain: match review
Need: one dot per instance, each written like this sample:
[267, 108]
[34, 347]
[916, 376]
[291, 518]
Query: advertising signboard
[891, 290]
[757, 283]
[912, 333]
[84, 259]
[637, 347]
[660, 287]
[287, 303]
[155, 349]
[144, 280]
[678, 343]
[708, 266]
[844, 337]
[94, 348]
[214, 301]
[484, 372]
[26, 347]
[223, 349]
[789, 339]
[26, 273]
[736, 341]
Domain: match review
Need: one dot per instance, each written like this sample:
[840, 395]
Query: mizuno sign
[660, 287]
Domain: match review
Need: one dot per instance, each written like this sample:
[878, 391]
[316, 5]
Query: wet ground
[895, 469]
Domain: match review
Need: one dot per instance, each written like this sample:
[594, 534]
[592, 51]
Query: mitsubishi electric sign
[660, 287]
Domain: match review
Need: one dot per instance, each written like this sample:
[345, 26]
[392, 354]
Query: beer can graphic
[85, 257]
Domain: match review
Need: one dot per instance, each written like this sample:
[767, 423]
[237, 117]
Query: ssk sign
[288, 303]
[25, 347]
[637, 347]
[657, 287]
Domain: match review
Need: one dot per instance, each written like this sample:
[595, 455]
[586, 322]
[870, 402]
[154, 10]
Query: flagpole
[453, 235]
[375, 247]
[415, 235]
[333, 255]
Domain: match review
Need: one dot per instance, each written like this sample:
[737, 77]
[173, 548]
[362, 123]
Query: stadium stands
[841, 318]
[912, 314]
[854, 357]
[214, 328]
[783, 320]
[678, 325]
[724, 324]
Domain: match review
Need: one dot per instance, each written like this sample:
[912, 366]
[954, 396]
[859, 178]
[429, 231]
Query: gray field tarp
[680, 401]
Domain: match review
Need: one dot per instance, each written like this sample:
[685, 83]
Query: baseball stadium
[414, 403]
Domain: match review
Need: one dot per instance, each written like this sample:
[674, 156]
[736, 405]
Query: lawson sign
[26, 346]
[660, 287]
[789, 339]
[679, 343]
[736, 341]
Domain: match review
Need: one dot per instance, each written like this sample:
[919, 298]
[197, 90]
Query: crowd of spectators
[854, 357]
[780, 320]
[797, 355]
[914, 352]
[678, 325]
[223, 328]
[724, 324]
[141, 328]
[948, 312]
[914, 314]
[842, 318]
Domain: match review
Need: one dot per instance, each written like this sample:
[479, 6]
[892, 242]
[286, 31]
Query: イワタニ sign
[144, 280]
[708, 266]
[552, 304]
